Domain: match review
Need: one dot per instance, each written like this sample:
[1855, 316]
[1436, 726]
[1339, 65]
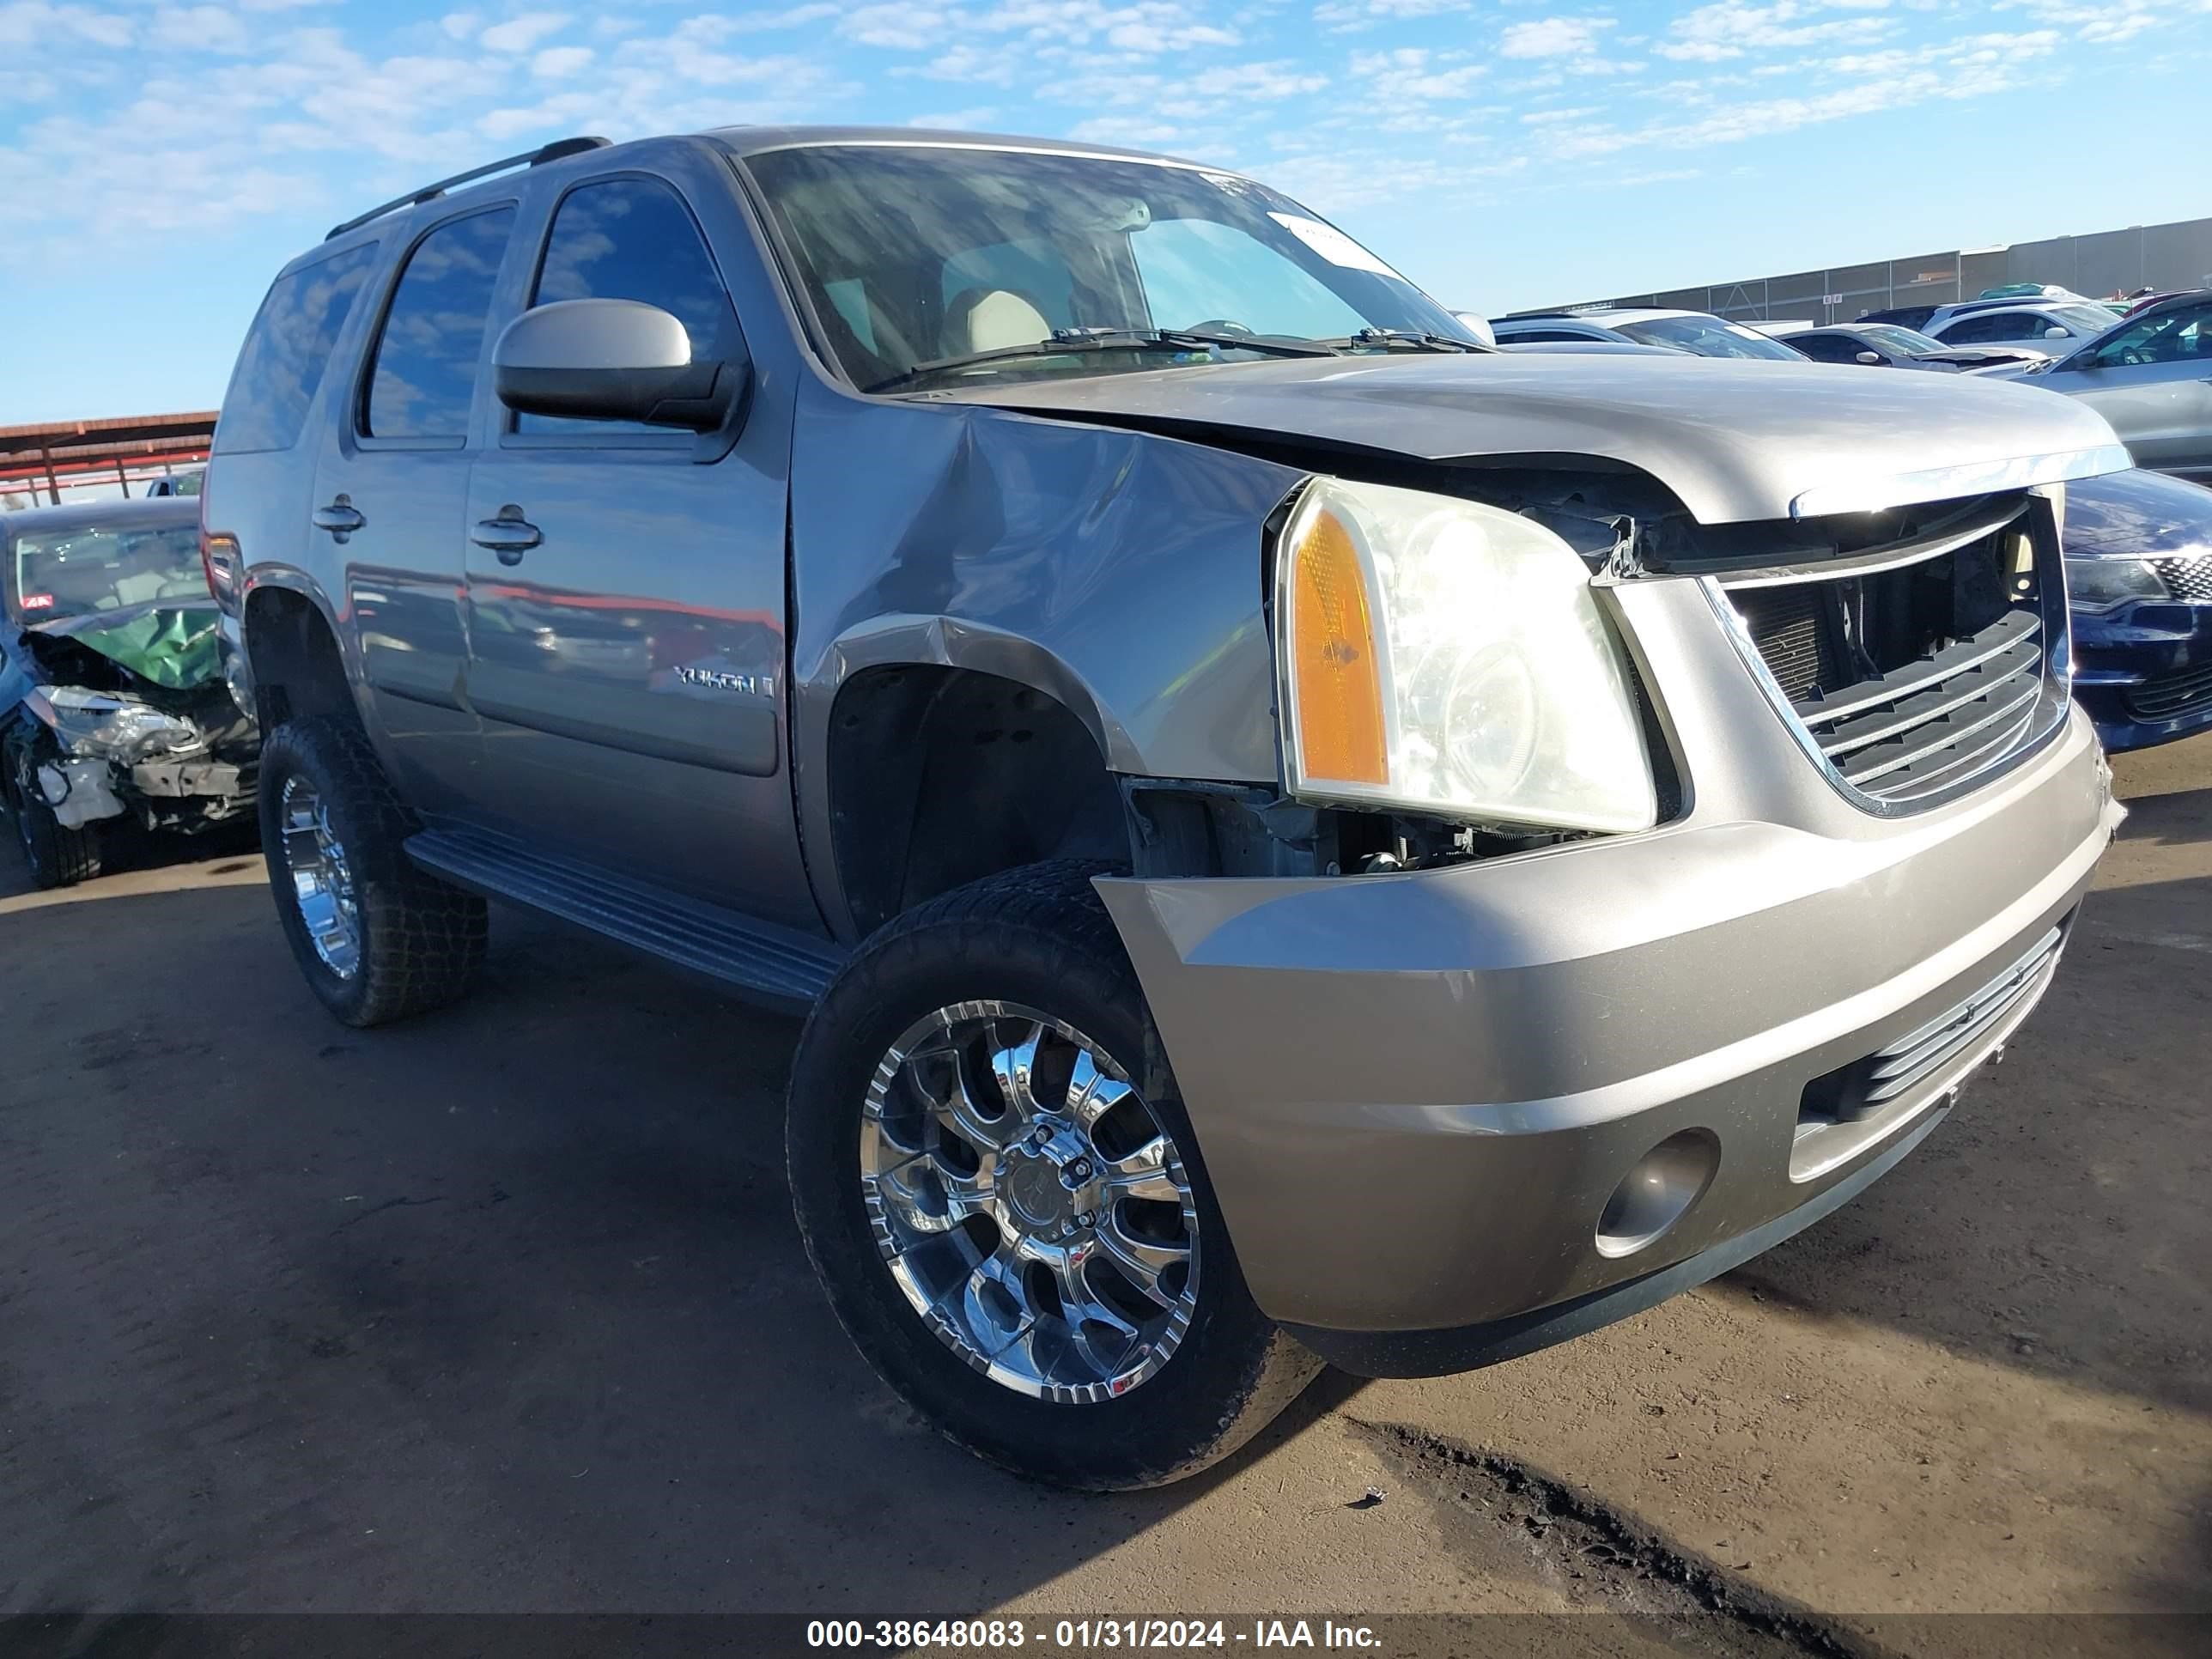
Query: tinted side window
[1827, 348]
[1977, 331]
[285, 350]
[425, 373]
[2176, 337]
[633, 239]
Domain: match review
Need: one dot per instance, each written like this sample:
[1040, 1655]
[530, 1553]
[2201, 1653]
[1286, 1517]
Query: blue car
[2139, 583]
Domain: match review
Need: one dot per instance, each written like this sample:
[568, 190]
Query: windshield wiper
[1401, 339]
[1069, 342]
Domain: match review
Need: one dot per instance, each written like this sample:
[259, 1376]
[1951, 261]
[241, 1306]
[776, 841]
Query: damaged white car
[113, 708]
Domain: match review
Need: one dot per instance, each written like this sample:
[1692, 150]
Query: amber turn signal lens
[1338, 680]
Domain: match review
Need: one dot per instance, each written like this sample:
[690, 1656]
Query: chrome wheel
[322, 883]
[1028, 1203]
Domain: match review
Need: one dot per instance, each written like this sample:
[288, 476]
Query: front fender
[1118, 572]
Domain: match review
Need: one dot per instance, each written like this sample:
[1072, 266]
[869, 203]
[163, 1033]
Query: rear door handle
[341, 518]
[510, 535]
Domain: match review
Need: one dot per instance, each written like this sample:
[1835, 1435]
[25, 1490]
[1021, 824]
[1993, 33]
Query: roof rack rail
[559, 150]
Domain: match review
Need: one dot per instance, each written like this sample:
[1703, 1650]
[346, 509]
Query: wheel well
[298, 673]
[940, 776]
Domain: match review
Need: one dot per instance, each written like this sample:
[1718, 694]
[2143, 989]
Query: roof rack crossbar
[559, 150]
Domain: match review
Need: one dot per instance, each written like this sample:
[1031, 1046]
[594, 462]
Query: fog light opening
[1658, 1192]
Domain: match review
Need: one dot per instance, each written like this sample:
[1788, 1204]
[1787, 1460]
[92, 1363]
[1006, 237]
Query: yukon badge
[717, 680]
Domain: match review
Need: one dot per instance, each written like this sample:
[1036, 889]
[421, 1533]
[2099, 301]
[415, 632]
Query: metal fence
[2108, 262]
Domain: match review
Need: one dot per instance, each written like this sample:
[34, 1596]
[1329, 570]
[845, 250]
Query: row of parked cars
[1298, 835]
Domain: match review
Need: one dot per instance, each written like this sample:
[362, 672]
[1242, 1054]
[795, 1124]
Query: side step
[777, 965]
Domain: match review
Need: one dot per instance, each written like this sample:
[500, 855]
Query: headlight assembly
[1445, 657]
[91, 724]
[2107, 584]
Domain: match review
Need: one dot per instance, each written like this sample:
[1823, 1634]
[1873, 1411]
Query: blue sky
[161, 159]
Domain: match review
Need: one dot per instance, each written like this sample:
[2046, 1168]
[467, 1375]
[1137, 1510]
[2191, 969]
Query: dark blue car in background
[2139, 579]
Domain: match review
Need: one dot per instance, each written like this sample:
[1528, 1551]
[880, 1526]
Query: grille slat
[1893, 717]
[1929, 739]
[1934, 1050]
[2171, 695]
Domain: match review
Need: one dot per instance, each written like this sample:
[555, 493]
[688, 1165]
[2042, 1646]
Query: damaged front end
[129, 717]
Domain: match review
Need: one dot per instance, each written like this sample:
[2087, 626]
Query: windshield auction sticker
[1331, 243]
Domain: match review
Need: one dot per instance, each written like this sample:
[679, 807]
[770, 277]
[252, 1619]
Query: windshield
[79, 573]
[1909, 341]
[1709, 336]
[2085, 319]
[913, 254]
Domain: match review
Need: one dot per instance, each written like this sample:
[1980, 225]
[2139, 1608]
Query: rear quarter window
[280, 365]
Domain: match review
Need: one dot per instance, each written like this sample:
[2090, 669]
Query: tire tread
[423, 939]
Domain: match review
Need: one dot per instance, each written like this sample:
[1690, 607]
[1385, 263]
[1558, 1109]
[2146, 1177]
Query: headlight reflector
[116, 728]
[1448, 657]
[2106, 584]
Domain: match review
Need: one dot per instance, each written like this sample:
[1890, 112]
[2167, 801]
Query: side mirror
[613, 360]
[1869, 358]
[2054, 333]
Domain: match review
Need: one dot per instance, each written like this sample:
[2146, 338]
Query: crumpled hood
[1734, 441]
[170, 644]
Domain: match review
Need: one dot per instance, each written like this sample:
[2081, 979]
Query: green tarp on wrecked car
[173, 646]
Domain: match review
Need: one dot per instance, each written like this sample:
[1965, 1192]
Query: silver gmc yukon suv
[1299, 837]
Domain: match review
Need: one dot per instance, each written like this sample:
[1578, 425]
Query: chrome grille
[1917, 666]
[2187, 579]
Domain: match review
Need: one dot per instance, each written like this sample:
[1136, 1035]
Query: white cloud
[1973, 67]
[461, 25]
[198, 28]
[1715, 33]
[906, 28]
[2110, 21]
[1348, 16]
[988, 65]
[559, 63]
[521, 33]
[29, 23]
[1552, 37]
[1414, 72]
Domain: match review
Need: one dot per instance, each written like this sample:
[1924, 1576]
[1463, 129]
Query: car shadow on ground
[501, 1308]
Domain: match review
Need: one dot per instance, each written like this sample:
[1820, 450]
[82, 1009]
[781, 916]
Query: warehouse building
[2107, 264]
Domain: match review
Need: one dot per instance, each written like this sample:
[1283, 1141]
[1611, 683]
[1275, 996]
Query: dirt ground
[503, 1310]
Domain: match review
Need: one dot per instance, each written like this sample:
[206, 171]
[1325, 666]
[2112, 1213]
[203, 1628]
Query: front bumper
[2144, 671]
[1418, 1096]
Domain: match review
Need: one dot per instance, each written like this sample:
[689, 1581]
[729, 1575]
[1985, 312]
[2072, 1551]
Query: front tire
[377, 938]
[998, 1186]
[57, 855]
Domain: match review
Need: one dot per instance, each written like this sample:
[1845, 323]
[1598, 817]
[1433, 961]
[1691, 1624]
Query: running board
[777, 965]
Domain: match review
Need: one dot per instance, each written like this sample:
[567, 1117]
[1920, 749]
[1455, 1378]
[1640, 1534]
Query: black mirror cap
[613, 360]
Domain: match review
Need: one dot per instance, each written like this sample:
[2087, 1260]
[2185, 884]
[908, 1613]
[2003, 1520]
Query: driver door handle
[341, 518]
[510, 535]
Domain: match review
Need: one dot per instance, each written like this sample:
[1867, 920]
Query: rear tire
[1035, 941]
[387, 939]
[57, 855]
